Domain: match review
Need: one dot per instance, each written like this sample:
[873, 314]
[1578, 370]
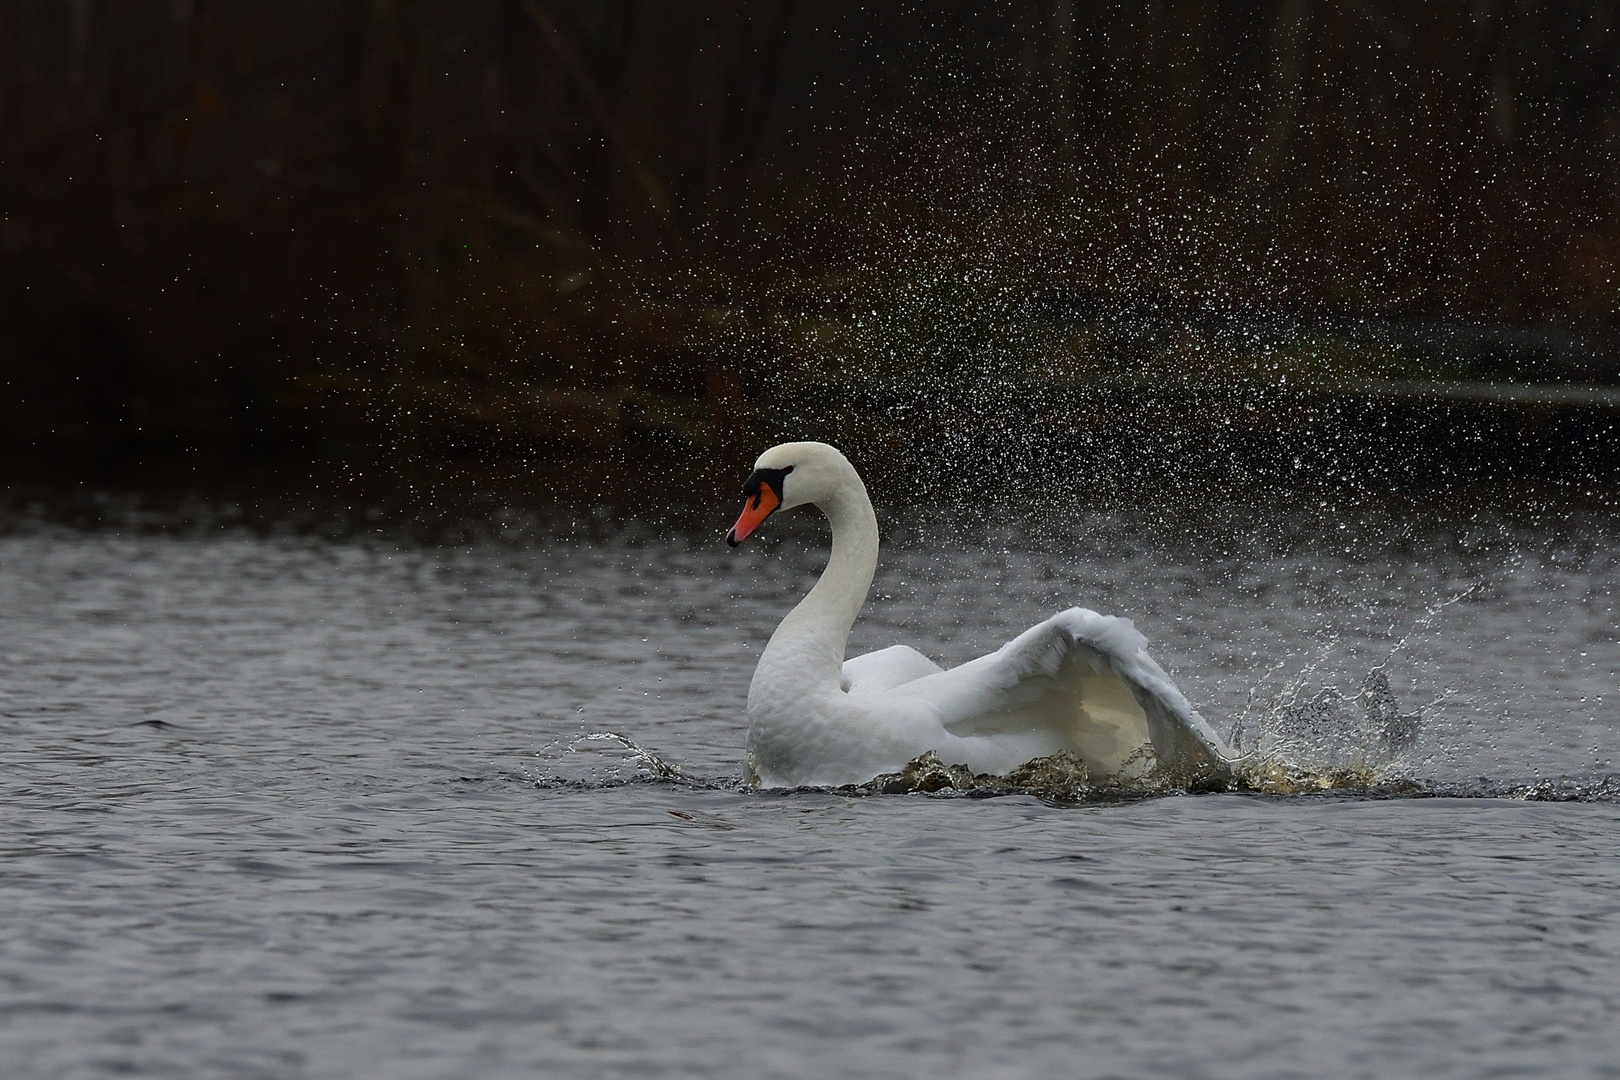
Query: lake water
[290, 802]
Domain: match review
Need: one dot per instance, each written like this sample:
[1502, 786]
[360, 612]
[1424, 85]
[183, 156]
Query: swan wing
[886, 669]
[1082, 682]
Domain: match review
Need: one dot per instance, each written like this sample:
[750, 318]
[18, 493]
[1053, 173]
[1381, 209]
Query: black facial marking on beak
[773, 477]
[762, 494]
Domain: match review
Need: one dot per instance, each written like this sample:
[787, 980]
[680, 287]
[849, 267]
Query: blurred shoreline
[310, 231]
[1177, 450]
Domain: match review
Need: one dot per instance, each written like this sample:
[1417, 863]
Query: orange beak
[754, 511]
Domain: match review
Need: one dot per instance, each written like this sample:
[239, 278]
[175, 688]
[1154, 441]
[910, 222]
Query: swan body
[1079, 682]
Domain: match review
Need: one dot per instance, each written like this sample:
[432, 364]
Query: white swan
[1078, 682]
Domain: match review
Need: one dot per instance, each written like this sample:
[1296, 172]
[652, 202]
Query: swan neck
[816, 632]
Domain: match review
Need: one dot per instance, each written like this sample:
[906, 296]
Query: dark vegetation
[421, 225]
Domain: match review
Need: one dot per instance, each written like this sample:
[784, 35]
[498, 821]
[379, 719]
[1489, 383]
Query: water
[278, 804]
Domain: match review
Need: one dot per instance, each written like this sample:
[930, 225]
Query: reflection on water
[294, 801]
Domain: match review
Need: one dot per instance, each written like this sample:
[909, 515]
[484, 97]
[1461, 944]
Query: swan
[1079, 682]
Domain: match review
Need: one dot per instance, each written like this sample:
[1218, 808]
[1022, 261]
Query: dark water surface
[290, 806]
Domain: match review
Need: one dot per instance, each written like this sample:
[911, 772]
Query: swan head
[790, 475]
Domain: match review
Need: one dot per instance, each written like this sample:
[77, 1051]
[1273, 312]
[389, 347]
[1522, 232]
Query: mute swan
[1078, 682]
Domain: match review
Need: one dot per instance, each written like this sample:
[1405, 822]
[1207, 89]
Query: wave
[1062, 779]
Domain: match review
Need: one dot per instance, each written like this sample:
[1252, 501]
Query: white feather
[1079, 682]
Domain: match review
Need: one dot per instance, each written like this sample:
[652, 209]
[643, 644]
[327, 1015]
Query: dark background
[325, 230]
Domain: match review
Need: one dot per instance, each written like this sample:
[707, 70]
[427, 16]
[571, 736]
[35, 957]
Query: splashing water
[600, 759]
[1305, 735]
[1310, 735]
